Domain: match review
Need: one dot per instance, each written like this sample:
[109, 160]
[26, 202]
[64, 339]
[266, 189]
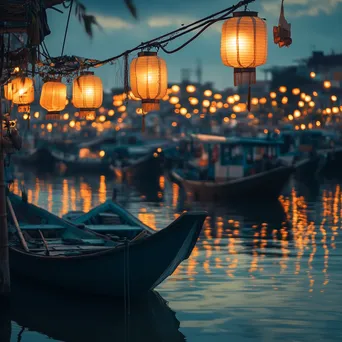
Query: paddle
[16, 224]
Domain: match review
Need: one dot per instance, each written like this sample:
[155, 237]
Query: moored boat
[60, 254]
[232, 169]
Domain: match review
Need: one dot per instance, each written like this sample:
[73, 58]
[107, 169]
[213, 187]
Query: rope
[67, 26]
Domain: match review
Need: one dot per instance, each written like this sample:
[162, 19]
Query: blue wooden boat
[110, 219]
[60, 254]
[302, 150]
[229, 169]
[70, 317]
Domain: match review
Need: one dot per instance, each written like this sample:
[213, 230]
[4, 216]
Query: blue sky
[316, 24]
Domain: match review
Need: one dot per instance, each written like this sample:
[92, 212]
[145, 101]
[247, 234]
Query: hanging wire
[159, 42]
[67, 26]
[206, 22]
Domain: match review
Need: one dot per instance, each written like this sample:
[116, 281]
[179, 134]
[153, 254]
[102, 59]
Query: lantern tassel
[249, 98]
[143, 123]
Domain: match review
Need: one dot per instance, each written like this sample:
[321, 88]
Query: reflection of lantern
[244, 45]
[22, 93]
[148, 78]
[8, 91]
[53, 98]
[87, 94]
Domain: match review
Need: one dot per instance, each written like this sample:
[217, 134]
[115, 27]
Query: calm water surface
[258, 273]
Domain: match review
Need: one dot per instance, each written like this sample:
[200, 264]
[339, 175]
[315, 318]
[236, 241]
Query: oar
[44, 242]
[16, 224]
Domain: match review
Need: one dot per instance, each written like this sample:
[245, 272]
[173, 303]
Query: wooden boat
[237, 170]
[140, 163]
[89, 319]
[110, 219]
[60, 254]
[307, 151]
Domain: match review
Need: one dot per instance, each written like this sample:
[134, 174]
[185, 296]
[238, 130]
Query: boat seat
[121, 227]
[41, 227]
[109, 218]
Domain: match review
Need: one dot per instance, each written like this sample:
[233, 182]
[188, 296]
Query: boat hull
[264, 185]
[146, 168]
[148, 262]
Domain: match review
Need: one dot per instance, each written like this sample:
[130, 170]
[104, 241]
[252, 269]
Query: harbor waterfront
[261, 272]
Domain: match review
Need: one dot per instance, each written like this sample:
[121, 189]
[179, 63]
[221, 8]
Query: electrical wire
[187, 29]
[159, 42]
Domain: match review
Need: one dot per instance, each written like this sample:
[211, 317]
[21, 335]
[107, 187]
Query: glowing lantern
[174, 100]
[327, 84]
[283, 89]
[148, 77]
[295, 91]
[22, 93]
[87, 94]
[190, 88]
[8, 91]
[193, 101]
[244, 45]
[208, 92]
[53, 98]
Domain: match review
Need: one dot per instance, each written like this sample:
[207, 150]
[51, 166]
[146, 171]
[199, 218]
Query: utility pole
[5, 284]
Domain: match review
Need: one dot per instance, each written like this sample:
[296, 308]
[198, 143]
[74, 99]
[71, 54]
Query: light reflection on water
[257, 273]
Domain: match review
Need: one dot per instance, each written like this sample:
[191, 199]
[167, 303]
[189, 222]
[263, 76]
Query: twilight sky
[316, 24]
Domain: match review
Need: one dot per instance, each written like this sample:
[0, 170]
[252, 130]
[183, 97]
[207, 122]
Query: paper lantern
[244, 45]
[8, 91]
[22, 93]
[87, 94]
[53, 98]
[148, 78]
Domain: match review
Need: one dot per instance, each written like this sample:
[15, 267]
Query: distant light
[327, 84]
[302, 126]
[208, 92]
[236, 97]
[318, 123]
[333, 98]
[283, 89]
[190, 88]
[290, 117]
[273, 95]
[175, 88]
[102, 154]
[312, 74]
[295, 91]
[297, 113]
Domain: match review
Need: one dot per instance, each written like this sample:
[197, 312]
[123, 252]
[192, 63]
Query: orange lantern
[53, 98]
[244, 45]
[22, 93]
[87, 94]
[148, 78]
[8, 91]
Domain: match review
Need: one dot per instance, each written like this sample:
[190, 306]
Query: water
[258, 273]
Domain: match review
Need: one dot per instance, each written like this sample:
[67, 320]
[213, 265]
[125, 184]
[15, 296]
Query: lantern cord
[143, 123]
[249, 98]
[67, 26]
[126, 85]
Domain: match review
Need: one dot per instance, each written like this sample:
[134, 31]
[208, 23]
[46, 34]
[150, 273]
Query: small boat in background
[53, 251]
[228, 169]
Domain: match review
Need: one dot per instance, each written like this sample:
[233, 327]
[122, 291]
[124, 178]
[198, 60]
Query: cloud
[168, 21]
[112, 23]
[300, 8]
